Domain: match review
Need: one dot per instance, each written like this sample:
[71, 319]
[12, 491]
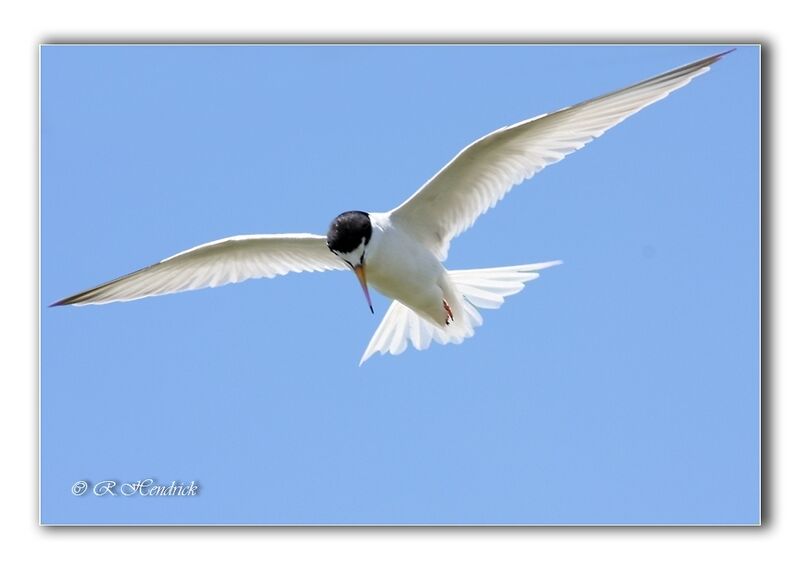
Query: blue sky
[621, 387]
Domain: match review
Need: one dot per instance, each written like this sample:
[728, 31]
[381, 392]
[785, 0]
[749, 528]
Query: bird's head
[348, 238]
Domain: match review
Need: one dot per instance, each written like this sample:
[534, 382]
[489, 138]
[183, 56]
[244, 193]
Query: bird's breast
[401, 268]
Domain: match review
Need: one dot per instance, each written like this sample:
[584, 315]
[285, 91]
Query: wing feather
[482, 173]
[217, 263]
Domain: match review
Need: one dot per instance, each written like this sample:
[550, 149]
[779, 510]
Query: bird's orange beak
[362, 278]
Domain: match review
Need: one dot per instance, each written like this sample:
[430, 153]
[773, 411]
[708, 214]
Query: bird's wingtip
[715, 58]
[545, 264]
[78, 298]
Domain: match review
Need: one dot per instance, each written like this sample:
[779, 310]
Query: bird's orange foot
[449, 312]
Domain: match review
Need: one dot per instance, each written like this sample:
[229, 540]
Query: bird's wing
[228, 260]
[482, 173]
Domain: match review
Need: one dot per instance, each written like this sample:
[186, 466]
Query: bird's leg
[449, 312]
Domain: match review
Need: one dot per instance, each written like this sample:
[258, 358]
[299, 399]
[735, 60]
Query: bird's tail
[479, 289]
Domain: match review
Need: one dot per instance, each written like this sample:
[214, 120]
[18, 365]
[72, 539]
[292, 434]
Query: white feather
[401, 324]
[483, 172]
[228, 260]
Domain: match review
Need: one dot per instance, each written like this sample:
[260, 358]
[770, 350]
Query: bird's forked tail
[479, 289]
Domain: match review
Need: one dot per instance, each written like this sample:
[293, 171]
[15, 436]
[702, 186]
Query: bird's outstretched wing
[482, 173]
[228, 260]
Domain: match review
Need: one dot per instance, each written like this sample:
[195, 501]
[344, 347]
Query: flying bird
[400, 253]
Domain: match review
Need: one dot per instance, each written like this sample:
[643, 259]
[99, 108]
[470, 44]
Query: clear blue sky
[621, 387]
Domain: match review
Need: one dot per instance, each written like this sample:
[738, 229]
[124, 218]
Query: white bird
[400, 252]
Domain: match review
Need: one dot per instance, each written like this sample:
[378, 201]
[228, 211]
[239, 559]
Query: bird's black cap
[347, 230]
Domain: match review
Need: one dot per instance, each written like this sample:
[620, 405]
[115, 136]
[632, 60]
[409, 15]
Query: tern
[400, 253]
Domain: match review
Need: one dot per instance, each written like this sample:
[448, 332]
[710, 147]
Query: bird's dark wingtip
[711, 59]
[724, 53]
[71, 300]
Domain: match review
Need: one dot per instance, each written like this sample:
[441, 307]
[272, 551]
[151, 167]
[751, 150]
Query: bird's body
[401, 268]
[401, 252]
